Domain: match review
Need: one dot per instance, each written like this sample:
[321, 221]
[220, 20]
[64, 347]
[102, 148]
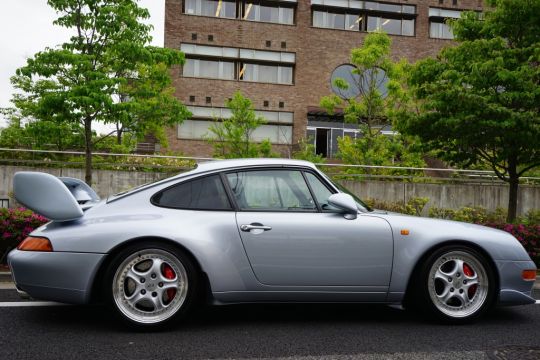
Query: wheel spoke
[458, 269]
[135, 298]
[446, 295]
[156, 267]
[157, 302]
[134, 275]
[462, 296]
[439, 274]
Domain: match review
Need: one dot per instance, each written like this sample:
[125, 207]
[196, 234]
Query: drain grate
[515, 353]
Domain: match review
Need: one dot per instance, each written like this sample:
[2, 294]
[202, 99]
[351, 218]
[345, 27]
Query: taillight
[35, 244]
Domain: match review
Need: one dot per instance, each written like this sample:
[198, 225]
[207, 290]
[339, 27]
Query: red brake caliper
[468, 271]
[168, 272]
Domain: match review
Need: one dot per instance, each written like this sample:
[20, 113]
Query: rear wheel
[151, 284]
[457, 284]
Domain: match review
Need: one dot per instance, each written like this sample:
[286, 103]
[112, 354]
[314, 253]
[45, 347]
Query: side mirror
[345, 203]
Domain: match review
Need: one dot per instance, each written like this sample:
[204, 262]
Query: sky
[26, 27]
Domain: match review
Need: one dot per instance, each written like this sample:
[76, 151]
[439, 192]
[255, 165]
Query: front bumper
[513, 289]
[57, 276]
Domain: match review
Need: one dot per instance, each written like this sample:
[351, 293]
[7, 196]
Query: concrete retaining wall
[454, 196]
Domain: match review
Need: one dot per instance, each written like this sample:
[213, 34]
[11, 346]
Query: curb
[5, 276]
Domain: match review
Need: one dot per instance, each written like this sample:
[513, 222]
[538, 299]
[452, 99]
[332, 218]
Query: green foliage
[15, 225]
[306, 151]
[414, 206]
[231, 138]
[532, 217]
[41, 135]
[371, 109]
[380, 150]
[479, 99]
[105, 72]
[472, 214]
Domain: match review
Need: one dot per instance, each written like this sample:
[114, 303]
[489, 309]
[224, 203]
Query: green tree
[105, 61]
[381, 96]
[377, 80]
[381, 150]
[480, 100]
[41, 135]
[155, 107]
[306, 151]
[232, 137]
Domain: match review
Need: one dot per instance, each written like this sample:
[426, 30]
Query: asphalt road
[293, 331]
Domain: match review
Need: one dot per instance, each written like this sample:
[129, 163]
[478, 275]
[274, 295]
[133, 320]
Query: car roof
[234, 163]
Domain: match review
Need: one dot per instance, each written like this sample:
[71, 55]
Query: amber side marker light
[404, 232]
[529, 275]
[35, 244]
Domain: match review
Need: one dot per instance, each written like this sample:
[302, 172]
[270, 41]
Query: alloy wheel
[458, 284]
[150, 286]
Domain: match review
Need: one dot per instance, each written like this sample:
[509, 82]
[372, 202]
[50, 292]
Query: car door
[291, 239]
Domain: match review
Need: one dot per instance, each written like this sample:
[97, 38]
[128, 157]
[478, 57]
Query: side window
[205, 193]
[274, 190]
[320, 191]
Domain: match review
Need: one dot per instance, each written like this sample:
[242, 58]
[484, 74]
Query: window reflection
[248, 10]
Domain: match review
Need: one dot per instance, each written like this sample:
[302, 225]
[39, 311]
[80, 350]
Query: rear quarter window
[205, 193]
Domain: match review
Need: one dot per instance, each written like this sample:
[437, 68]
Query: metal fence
[173, 163]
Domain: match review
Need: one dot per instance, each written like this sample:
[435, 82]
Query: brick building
[281, 55]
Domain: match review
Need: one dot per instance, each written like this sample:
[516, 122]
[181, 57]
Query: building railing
[173, 163]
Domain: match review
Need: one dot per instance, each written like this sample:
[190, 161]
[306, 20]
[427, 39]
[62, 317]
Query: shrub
[15, 225]
[414, 206]
[471, 214]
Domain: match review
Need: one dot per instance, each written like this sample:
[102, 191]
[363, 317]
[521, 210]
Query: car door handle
[255, 226]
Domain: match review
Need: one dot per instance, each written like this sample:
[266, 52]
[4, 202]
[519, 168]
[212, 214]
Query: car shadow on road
[232, 316]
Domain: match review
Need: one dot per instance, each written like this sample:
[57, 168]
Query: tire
[456, 285]
[150, 285]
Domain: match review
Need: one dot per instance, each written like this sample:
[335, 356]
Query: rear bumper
[513, 289]
[56, 276]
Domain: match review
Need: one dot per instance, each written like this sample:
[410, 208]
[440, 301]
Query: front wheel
[150, 285]
[458, 284]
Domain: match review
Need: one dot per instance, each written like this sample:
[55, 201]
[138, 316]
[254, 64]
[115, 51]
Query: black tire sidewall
[423, 280]
[191, 271]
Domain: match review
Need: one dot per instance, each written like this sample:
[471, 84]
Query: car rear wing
[59, 199]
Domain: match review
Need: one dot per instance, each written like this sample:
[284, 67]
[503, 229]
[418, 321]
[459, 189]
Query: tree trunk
[119, 137]
[513, 191]
[88, 151]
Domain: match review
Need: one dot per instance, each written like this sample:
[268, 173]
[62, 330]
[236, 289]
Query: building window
[334, 20]
[268, 12]
[278, 127]
[438, 27]
[214, 8]
[391, 26]
[274, 74]
[392, 18]
[279, 13]
[440, 30]
[204, 61]
[211, 69]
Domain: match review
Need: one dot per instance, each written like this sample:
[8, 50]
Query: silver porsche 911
[239, 231]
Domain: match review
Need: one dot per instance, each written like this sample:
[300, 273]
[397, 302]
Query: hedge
[15, 225]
